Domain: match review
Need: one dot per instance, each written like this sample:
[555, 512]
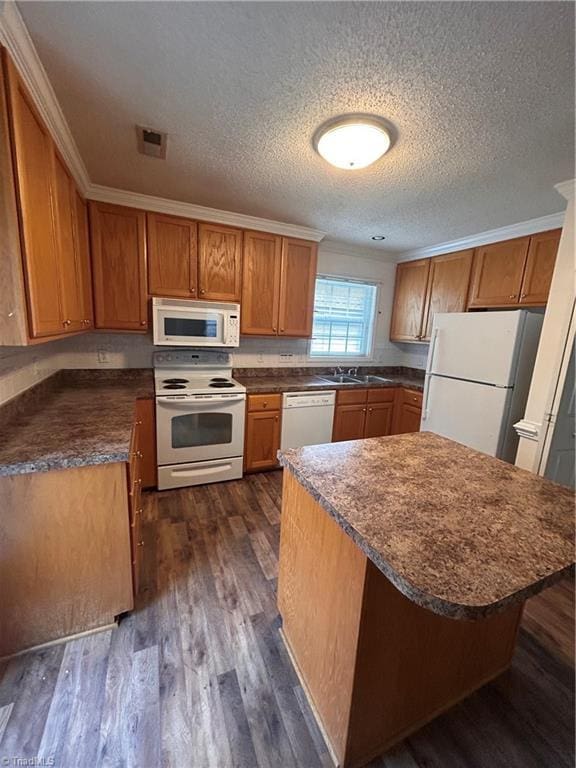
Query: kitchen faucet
[353, 371]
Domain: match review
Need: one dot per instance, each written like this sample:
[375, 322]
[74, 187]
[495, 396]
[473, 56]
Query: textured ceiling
[481, 95]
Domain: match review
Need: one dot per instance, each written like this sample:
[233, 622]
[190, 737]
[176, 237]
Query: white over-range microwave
[179, 322]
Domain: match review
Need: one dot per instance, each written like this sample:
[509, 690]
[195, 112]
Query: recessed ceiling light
[378, 237]
[352, 142]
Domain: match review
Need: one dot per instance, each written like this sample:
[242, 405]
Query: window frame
[372, 342]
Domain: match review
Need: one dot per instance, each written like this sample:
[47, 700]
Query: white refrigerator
[478, 376]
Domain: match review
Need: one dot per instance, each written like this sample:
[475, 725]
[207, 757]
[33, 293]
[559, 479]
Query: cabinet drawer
[351, 396]
[382, 395]
[264, 402]
[412, 397]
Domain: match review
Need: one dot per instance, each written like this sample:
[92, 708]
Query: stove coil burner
[221, 384]
[174, 386]
[218, 379]
[175, 381]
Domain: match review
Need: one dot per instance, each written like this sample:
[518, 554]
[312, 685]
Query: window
[344, 313]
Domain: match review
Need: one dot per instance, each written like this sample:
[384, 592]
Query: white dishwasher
[307, 418]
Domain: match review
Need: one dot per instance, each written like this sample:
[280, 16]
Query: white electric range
[200, 413]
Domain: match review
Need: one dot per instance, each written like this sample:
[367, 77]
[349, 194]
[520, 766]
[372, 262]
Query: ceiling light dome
[352, 142]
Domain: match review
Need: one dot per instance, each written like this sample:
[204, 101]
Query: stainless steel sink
[341, 379]
[370, 378]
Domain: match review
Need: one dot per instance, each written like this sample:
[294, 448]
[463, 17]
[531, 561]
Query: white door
[477, 346]
[470, 413]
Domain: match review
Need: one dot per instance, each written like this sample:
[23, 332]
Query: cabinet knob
[276, 418]
[274, 328]
[370, 410]
[512, 296]
[143, 322]
[66, 322]
[522, 295]
[264, 404]
[281, 330]
[140, 544]
[363, 410]
[202, 291]
[192, 290]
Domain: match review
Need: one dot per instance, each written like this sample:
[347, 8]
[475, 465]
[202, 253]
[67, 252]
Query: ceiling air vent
[151, 142]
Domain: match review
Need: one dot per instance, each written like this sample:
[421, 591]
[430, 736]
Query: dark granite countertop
[458, 532]
[76, 418]
[302, 379]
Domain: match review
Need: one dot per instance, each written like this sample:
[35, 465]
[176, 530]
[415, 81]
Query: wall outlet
[285, 357]
[259, 357]
[103, 355]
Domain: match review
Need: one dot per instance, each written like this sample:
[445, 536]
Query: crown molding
[541, 224]
[358, 251]
[15, 38]
[567, 189]
[191, 211]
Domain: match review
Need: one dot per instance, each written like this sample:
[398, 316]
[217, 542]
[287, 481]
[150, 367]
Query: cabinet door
[33, 148]
[407, 411]
[262, 440]
[118, 238]
[172, 256]
[69, 262]
[297, 284]
[82, 241]
[379, 419]
[261, 283]
[539, 267]
[349, 422]
[146, 418]
[409, 300]
[497, 275]
[448, 284]
[219, 262]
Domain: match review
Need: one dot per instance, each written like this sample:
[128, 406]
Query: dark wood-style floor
[197, 676]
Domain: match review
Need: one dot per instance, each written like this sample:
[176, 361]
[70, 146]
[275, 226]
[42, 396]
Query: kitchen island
[404, 565]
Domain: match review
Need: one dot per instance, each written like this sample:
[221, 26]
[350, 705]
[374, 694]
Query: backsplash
[21, 368]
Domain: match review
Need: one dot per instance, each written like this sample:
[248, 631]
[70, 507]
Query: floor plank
[198, 676]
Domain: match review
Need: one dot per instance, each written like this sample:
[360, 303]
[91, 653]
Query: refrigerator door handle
[432, 351]
[426, 393]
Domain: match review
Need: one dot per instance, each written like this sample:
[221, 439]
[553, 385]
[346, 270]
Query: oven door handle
[194, 403]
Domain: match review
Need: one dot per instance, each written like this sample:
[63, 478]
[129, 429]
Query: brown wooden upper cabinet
[498, 270]
[297, 285]
[118, 239]
[539, 268]
[261, 284]
[219, 262]
[409, 300]
[172, 256]
[55, 260]
[448, 284]
[514, 272]
[279, 277]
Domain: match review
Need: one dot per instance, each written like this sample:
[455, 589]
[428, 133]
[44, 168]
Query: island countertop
[458, 532]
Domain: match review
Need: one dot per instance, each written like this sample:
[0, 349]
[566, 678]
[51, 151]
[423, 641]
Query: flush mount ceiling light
[352, 142]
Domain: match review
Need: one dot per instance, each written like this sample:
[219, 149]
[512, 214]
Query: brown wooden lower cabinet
[363, 413]
[64, 554]
[375, 665]
[146, 415]
[263, 423]
[407, 411]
